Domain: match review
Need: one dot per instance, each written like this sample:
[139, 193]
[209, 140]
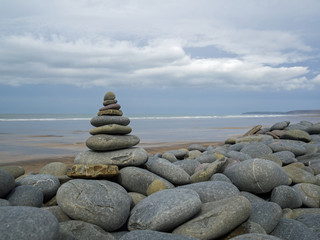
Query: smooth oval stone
[48, 184]
[255, 236]
[289, 229]
[26, 195]
[169, 156]
[80, 230]
[136, 198]
[7, 183]
[212, 191]
[108, 102]
[100, 202]
[251, 197]
[138, 180]
[109, 96]
[15, 171]
[288, 145]
[256, 149]
[4, 203]
[55, 169]
[315, 166]
[164, 210]
[189, 165]
[153, 235]
[295, 213]
[58, 213]
[309, 193]
[111, 129]
[156, 186]
[124, 157]
[112, 112]
[246, 227]
[280, 125]
[207, 158]
[286, 157]
[198, 147]
[266, 214]
[238, 155]
[104, 142]
[111, 106]
[238, 146]
[105, 120]
[298, 175]
[257, 175]
[169, 171]
[216, 219]
[220, 177]
[209, 170]
[296, 134]
[286, 197]
[254, 138]
[312, 221]
[180, 153]
[26, 223]
[314, 129]
[194, 154]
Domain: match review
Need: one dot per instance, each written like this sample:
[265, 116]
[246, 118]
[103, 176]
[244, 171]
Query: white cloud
[136, 43]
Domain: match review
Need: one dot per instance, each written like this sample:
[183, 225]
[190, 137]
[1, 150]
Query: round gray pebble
[26, 195]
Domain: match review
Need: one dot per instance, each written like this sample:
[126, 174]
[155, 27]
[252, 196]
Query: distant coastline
[294, 112]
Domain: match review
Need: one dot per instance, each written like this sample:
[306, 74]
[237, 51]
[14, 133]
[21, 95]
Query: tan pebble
[155, 186]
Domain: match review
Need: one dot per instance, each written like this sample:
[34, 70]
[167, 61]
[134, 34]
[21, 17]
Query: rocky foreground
[263, 185]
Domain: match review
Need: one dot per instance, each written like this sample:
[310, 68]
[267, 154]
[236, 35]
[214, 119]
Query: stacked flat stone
[111, 142]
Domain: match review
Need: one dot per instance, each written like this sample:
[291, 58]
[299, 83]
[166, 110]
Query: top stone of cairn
[109, 96]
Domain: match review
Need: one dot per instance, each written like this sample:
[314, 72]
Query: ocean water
[32, 134]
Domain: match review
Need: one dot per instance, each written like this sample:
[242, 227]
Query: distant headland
[289, 112]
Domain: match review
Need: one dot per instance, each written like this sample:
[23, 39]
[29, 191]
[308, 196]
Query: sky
[173, 57]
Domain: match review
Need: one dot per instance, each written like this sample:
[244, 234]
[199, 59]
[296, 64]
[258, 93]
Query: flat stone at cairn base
[111, 129]
[105, 142]
[93, 171]
[105, 119]
[121, 158]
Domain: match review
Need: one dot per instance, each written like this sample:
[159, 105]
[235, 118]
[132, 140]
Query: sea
[64, 134]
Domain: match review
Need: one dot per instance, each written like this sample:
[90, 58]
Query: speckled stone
[112, 129]
[257, 175]
[256, 149]
[26, 195]
[309, 193]
[296, 134]
[286, 197]
[105, 120]
[112, 112]
[153, 235]
[7, 183]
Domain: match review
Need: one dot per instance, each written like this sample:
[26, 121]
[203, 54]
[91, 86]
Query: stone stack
[110, 145]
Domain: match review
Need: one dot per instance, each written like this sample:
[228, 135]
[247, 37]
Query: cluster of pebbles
[264, 185]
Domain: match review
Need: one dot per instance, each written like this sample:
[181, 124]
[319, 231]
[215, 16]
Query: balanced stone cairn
[110, 145]
[264, 185]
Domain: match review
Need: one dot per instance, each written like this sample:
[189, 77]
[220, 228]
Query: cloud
[139, 44]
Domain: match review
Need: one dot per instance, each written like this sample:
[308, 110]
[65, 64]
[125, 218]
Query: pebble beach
[261, 184]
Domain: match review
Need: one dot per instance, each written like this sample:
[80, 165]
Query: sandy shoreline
[33, 163]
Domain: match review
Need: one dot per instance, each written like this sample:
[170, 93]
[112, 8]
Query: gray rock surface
[289, 229]
[55, 169]
[251, 197]
[104, 120]
[25, 223]
[180, 153]
[256, 149]
[238, 155]
[206, 158]
[309, 193]
[286, 157]
[26, 195]
[153, 235]
[125, 157]
[280, 125]
[48, 184]
[266, 214]
[213, 190]
[296, 134]
[299, 175]
[80, 230]
[164, 210]
[220, 177]
[4, 203]
[58, 213]
[288, 145]
[189, 165]
[169, 171]
[216, 218]
[138, 180]
[15, 171]
[105, 142]
[111, 129]
[312, 221]
[257, 175]
[198, 147]
[255, 236]
[100, 202]
[7, 183]
[286, 197]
